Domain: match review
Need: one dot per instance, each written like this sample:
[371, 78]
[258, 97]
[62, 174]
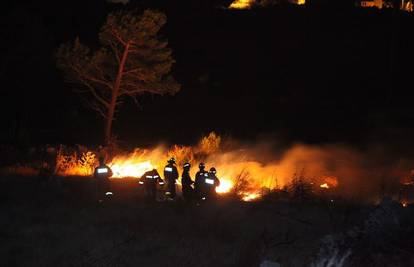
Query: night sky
[314, 74]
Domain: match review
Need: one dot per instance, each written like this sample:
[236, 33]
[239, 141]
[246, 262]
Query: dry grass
[61, 225]
[74, 163]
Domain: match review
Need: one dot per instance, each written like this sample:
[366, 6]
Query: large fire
[243, 171]
[137, 163]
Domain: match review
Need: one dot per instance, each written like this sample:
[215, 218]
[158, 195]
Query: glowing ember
[404, 204]
[408, 180]
[250, 196]
[325, 185]
[241, 4]
[328, 182]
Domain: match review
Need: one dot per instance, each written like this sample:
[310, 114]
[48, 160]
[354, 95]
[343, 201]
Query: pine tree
[132, 60]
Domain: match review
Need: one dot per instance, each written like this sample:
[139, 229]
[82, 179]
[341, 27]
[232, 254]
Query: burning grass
[239, 171]
[75, 164]
[241, 4]
[247, 171]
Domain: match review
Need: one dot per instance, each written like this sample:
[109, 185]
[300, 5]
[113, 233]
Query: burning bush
[244, 169]
[182, 154]
[71, 164]
[243, 188]
[209, 144]
[300, 189]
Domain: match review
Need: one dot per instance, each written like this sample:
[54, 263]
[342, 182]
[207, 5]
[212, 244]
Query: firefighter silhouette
[171, 175]
[199, 181]
[150, 180]
[187, 183]
[102, 174]
[211, 182]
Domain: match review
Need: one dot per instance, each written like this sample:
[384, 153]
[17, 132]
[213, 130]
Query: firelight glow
[241, 4]
[242, 170]
[325, 185]
[250, 196]
[129, 168]
[225, 186]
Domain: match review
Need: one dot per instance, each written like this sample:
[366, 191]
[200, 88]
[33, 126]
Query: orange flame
[225, 186]
[325, 185]
[250, 196]
[329, 182]
[137, 163]
[241, 4]
[238, 170]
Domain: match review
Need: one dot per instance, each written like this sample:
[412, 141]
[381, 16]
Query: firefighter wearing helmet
[199, 180]
[187, 183]
[211, 182]
[171, 175]
[150, 180]
[102, 174]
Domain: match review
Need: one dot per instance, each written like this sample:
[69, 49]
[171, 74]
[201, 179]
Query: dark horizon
[289, 142]
[303, 74]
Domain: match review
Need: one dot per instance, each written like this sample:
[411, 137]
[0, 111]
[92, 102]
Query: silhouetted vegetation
[132, 61]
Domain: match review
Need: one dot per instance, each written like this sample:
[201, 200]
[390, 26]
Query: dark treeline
[318, 73]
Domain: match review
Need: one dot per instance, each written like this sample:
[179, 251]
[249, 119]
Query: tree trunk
[108, 124]
[115, 93]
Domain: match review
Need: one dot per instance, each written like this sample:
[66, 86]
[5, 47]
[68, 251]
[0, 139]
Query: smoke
[354, 173]
[251, 167]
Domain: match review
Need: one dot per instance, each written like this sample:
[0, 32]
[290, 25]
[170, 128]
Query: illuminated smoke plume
[249, 168]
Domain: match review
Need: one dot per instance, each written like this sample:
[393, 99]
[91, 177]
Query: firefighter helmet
[213, 170]
[171, 160]
[201, 166]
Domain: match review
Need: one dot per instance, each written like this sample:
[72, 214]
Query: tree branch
[131, 71]
[98, 109]
[95, 94]
[117, 35]
[102, 82]
[115, 50]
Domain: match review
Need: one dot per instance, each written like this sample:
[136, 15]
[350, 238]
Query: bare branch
[98, 109]
[102, 82]
[115, 50]
[126, 72]
[117, 35]
[95, 94]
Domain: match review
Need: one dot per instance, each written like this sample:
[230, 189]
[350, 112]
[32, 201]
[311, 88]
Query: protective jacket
[171, 175]
[187, 183]
[102, 174]
[150, 180]
[211, 182]
[199, 183]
